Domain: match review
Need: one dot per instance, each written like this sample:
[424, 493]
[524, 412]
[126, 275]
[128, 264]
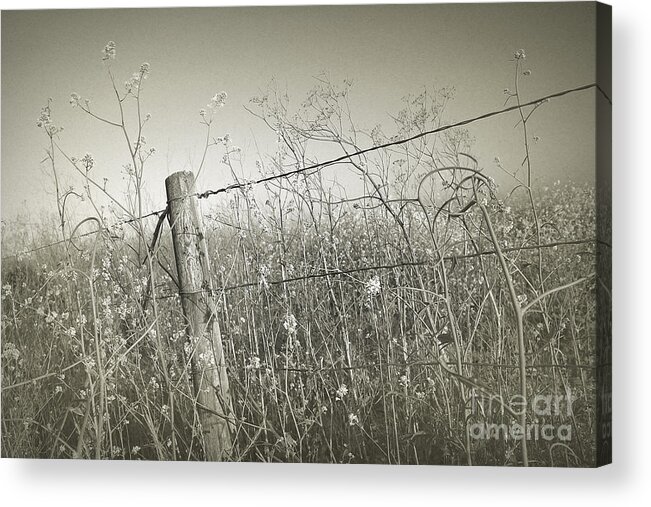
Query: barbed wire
[85, 234]
[325, 369]
[321, 165]
[360, 269]
[343, 158]
[368, 366]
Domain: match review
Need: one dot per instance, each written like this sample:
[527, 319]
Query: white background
[627, 481]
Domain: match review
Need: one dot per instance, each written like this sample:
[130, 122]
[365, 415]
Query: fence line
[312, 371]
[368, 366]
[321, 165]
[339, 272]
[85, 234]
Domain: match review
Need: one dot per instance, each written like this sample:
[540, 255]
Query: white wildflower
[373, 286]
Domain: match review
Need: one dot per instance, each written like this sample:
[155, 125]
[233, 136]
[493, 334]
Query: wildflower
[43, 118]
[74, 99]
[144, 69]
[88, 161]
[522, 299]
[218, 100]
[10, 352]
[109, 51]
[341, 392]
[264, 273]
[373, 286]
[135, 450]
[527, 72]
[254, 363]
[290, 324]
[519, 54]
[353, 419]
[133, 84]
[58, 389]
[403, 380]
[45, 121]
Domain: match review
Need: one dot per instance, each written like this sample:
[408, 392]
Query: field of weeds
[427, 317]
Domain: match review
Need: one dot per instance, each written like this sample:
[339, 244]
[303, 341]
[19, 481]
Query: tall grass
[363, 328]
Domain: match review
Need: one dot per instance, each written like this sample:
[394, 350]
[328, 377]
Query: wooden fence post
[202, 331]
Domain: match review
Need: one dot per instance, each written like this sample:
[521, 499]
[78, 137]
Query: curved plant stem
[517, 310]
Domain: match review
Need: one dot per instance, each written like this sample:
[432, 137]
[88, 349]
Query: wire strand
[321, 165]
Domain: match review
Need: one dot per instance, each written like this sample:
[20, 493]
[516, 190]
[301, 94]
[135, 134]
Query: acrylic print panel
[345, 234]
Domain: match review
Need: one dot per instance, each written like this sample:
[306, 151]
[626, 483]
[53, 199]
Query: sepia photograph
[351, 234]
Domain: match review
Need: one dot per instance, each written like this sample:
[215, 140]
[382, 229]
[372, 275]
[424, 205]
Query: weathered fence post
[203, 333]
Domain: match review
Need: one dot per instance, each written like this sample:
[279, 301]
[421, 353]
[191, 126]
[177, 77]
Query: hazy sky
[388, 52]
